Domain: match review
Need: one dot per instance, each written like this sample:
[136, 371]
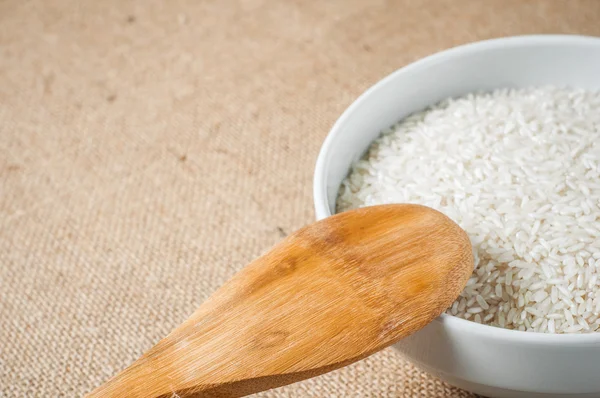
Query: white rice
[519, 170]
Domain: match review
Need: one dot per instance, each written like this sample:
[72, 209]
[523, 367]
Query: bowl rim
[321, 201]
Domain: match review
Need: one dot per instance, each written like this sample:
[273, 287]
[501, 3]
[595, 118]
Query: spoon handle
[228, 350]
[272, 324]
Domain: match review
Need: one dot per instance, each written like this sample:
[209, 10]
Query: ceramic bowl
[490, 361]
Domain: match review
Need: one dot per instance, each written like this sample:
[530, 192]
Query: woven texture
[148, 150]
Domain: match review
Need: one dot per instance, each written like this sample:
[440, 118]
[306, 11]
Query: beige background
[149, 149]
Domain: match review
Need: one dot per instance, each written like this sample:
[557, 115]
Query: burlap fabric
[150, 149]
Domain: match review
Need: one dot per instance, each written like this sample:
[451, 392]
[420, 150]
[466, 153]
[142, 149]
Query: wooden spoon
[328, 295]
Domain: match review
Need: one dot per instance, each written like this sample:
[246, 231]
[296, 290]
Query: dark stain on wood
[287, 267]
[270, 339]
[283, 269]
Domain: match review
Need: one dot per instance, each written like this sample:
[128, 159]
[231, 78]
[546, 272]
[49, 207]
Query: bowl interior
[510, 62]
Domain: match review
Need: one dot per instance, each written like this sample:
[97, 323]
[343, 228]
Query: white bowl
[483, 359]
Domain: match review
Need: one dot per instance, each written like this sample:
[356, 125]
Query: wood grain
[328, 295]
